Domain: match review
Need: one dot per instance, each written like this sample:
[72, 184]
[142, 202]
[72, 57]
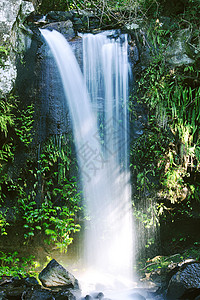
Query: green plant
[3, 223]
[11, 264]
[4, 52]
[147, 216]
[44, 194]
[53, 211]
[7, 117]
[25, 125]
[58, 223]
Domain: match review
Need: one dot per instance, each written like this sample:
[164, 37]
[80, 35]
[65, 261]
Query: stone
[12, 288]
[64, 27]
[31, 281]
[88, 297]
[25, 10]
[59, 16]
[187, 277]
[55, 275]
[8, 74]
[65, 295]
[12, 15]
[99, 295]
[37, 294]
[29, 289]
[177, 53]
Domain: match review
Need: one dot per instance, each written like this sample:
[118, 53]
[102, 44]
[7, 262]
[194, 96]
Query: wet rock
[65, 295]
[55, 275]
[37, 294]
[14, 287]
[98, 295]
[64, 286]
[187, 277]
[59, 16]
[88, 297]
[65, 27]
[31, 281]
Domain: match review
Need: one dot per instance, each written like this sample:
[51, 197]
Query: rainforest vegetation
[41, 194]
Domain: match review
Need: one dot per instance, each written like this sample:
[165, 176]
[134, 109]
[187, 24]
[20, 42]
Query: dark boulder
[65, 295]
[186, 278]
[38, 294]
[14, 287]
[64, 27]
[58, 16]
[59, 285]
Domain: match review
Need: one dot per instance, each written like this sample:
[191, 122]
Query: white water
[100, 122]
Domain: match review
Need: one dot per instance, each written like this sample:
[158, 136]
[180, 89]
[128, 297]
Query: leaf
[38, 227]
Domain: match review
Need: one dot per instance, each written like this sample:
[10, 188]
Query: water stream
[98, 103]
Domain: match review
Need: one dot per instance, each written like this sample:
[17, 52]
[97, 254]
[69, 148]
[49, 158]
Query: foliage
[25, 125]
[144, 164]
[4, 52]
[174, 105]
[165, 161]
[54, 211]
[43, 193]
[57, 223]
[59, 5]
[13, 265]
[119, 13]
[114, 13]
[147, 216]
[148, 266]
[6, 117]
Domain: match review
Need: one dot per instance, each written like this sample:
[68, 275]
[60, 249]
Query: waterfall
[98, 104]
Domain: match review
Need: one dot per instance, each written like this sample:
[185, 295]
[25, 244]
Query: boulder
[39, 293]
[59, 285]
[64, 27]
[58, 16]
[178, 52]
[66, 295]
[14, 287]
[187, 277]
[14, 37]
[55, 275]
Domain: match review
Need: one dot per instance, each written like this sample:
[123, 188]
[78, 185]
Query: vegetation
[42, 191]
[163, 264]
[4, 52]
[170, 170]
[11, 264]
[38, 196]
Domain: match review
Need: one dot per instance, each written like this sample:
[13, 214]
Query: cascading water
[97, 101]
[109, 239]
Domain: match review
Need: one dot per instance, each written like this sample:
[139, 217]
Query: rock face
[47, 94]
[55, 275]
[64, 27]
[13, 36]
[187, 277]
[180, 51]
